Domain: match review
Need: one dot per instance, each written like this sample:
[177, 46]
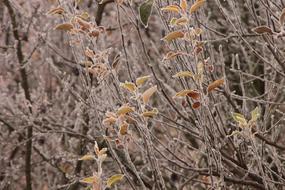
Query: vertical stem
[25, 86]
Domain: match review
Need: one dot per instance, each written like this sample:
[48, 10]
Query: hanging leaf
[129, 86]
[183, 74]
[173, 36]
[145, 10]
[150, 113]
[196, 6]
[282, 18]
[182, 93]
[87, 157]
[114, 179]
[183, 5]
[125, 109]
[255, 114]
[194, 94]
[64, 27]
[215, 84]
[148, 93]
[141, 80]
[57, 10]
[171, 8]
[196, 105]
[262, 30]
[239, 118]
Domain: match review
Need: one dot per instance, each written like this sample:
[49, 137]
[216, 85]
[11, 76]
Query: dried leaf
[196, 105]
[148, 93]
[172, 54]
[194, 94]
[87, 157]
[102, 152]
[171, 8]
[181, 21]
[64, 27]
[124, 128]
[150, 113]
[57, 10]
[182, 93]
[183, 74]
[145, 10]
[183, 5]
[129, 86]
[215, 84]
[125, 109]
[262, 30]
[239, 118]
[114, 179]
[196, 6]
[141, 80]
[110, 121]
[173, 35]
[282, 18]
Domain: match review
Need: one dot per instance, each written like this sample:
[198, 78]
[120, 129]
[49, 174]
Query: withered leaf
[215, 84]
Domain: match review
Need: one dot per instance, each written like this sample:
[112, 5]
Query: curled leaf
[262, 30]
[148, 93]
[114, 179]
[64, 27]
[54, 11]
[145, 10]
[196, 105]
[194, 94]
[124, 128]
[183, 74]
[173, 35]
[129, 86]
[141, 80]
[171, 8]
[196, 6]
[87, 157]
[215, 84]
[125, 109]
[150, 113]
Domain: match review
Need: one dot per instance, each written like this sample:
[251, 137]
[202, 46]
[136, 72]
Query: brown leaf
[148, 93]
[215, 84]
[282, 17]
[64, 26]
[262, 30]
[194, 94]
[196, 105]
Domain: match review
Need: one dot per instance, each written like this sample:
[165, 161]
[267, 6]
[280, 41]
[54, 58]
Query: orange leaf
[215, 84]
[148, 93]
[173, 35]
[194, 94]
[173, 8]
[183, 5]
[196, 6]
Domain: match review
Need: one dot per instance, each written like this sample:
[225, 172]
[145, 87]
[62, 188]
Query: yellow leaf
[171, 8]
[183, 74]
[182, 93]
[173, 35]
[215, 84]
[64, 26]
[255, 114]
[87, 157]
[89, 180]
[142, 80]
[183, 5]
[196, 6]
[124, 128]
[150, 113]
[57, 10]
[84, 16]
[129, 86]
[239, 118]
[148, 93]
[125, 109]
[114, 179]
